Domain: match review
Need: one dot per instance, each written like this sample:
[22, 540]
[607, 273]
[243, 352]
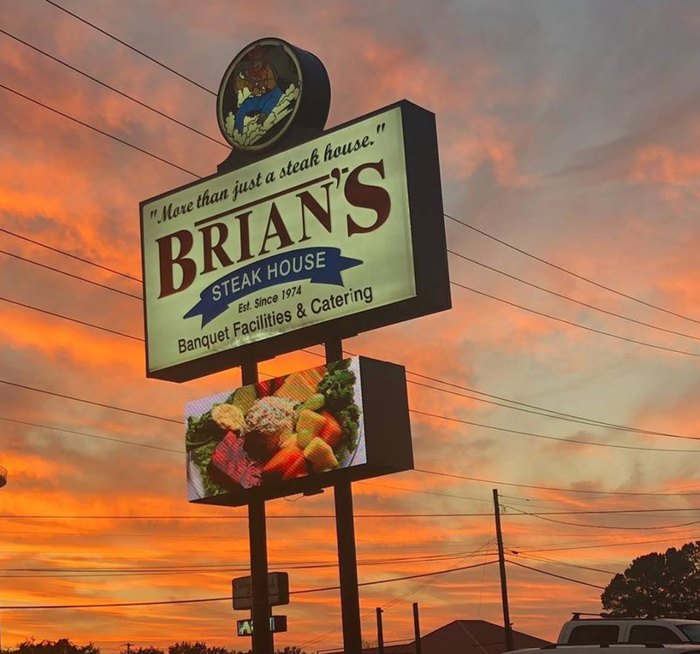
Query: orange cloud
[660, 164]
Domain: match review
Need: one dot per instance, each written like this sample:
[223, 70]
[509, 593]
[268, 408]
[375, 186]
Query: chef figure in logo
[261, 80]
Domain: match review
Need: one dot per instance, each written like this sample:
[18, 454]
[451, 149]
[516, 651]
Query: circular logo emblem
[259, 95]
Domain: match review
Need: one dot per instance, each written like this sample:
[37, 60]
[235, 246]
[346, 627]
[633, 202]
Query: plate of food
[305, 423]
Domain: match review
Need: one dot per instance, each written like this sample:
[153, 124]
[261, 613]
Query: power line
[228, 597]
[575, 324]
[99, 131]
[570, 299]
[570, 272]
[602, 511]
[551, 574]
[111, 88]
[527, 550]
[51, 573]
[72, 256]
[625, 543]
[81, 433]
[543, 559]
[73, 320]
[67, 274]
[306, 516]
[131, 47]
[90, 402]
[549, 438]
[554, 488]
[413, 490]
[546, 412]
[369, 516]
[438, 389]
[543, 516]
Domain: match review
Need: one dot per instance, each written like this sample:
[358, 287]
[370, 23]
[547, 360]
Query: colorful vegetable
[287, 461]
[320, 455]
[228, 417]
[331, 432]
[201, 430]
[310, 421]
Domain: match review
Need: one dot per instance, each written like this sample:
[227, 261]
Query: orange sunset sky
[566, 375]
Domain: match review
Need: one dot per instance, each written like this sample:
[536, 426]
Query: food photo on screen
[302, 424]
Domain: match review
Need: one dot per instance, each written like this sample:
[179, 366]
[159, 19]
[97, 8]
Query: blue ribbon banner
[320, 265]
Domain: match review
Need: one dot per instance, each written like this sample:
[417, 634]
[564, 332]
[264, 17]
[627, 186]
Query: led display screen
[298, 433]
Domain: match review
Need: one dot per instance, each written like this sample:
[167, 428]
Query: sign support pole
[257, 535]
[347, 553]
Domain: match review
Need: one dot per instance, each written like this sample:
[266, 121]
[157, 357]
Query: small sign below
[277, 591]
[278, 623]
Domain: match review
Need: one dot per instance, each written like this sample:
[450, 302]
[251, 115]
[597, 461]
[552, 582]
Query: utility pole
[3, 482]
[416, 628]
[502, 567]
[380, 632]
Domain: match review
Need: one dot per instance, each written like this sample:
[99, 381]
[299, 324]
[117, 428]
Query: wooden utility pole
[416, 628]
[3, 482]
[380, 632]
[502, 567]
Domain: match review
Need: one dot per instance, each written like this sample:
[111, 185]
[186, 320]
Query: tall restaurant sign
[341, 234]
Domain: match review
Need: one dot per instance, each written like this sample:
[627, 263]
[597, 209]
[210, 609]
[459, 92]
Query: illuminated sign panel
[278, 623]
[298, 433]
[327, 239]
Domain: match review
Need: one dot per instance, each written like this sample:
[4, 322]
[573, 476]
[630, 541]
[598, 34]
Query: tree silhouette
[198, 647]
[61, 646]
[141, 650]
[65, 646]
[658, 585]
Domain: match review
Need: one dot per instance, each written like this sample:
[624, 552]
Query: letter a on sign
[244, 627]
[277, 623]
